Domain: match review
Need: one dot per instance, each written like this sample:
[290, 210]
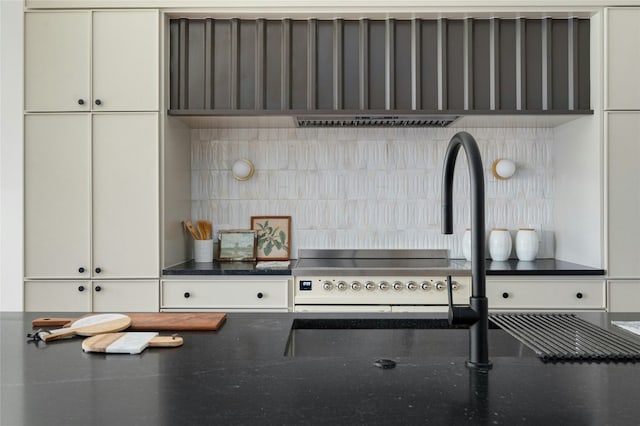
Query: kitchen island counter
[240, 375]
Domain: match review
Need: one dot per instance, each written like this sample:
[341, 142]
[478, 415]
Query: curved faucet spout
[476, 314]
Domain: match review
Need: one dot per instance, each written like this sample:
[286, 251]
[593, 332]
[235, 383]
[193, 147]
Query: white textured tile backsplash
[369, 188]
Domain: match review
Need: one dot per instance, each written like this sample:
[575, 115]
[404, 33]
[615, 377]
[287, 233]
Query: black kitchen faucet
[476, 314]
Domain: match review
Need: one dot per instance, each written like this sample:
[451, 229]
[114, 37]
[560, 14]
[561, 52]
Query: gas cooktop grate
[565, 337]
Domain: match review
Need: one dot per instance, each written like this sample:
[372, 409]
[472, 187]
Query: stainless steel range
[378, 280]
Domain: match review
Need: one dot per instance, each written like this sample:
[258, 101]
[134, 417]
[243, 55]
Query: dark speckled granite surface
[240, 375]
[539, 267]
[225, 268]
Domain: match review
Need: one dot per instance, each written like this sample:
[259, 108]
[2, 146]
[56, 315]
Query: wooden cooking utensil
[89, 326]
[204, 227]
[164, 321]
[192, 230]
[129, 343]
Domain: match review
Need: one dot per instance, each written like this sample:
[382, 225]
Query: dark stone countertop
[240, 375]
[225, 268]
[539, 267]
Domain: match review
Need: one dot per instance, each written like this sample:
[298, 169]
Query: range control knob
[383, 285]
[397, 285]
[341, 285]
[455, 285]
[370, 285]
[327, 285]
[426, 285]
[356, 286]
[440, 285]
[411, 285]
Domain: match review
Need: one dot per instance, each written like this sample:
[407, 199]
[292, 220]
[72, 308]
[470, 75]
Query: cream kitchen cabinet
[623, 295]
[57, 195]
[92, 60]
[91, 195]
[125, 209]
[92, 296]
[554, 293]
[227, 293]
[623, 194]
[622, 56]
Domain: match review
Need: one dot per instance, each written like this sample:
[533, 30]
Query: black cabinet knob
[81, 288]
[80, 101]
[187, 295]
[260, 295]
[98, 102]
[505, 295]
[81, 270]
[98, 288]
[98, 270]
[579, 295]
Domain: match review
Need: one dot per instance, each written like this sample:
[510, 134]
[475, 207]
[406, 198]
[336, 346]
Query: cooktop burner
[373, 263]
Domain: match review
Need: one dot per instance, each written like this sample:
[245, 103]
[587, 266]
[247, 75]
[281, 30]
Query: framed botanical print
[273, 237]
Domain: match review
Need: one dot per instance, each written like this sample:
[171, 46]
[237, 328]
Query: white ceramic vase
[526, 244]
[499, 244]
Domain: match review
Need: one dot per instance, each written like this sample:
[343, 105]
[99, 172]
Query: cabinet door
[125, 195]
[624, 296]
[57, 296]
[623, 58]
[125, 61]
[56, 61]
[623, 194]
[126, 296]
[57, 195]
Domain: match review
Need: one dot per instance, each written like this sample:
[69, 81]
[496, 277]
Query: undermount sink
[392, 337]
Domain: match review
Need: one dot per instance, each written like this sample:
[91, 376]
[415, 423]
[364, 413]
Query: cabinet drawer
[547, 294]
[624, 296]
[126, 296]
[57, 296]
[233, 294]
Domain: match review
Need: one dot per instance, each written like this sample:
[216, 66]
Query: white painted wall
[11, 211]
[579, 190]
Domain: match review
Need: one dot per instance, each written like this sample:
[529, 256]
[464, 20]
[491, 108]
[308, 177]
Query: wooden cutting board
[88, 326]
[154, 321]
[129, 343]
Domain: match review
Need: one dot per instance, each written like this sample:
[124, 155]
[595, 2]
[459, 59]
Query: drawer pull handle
[81, 288]
[81, 269]
[260, 295]
[187, 295]
[98, 288]
[579, 295]
[98, 270]
[505, 295]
